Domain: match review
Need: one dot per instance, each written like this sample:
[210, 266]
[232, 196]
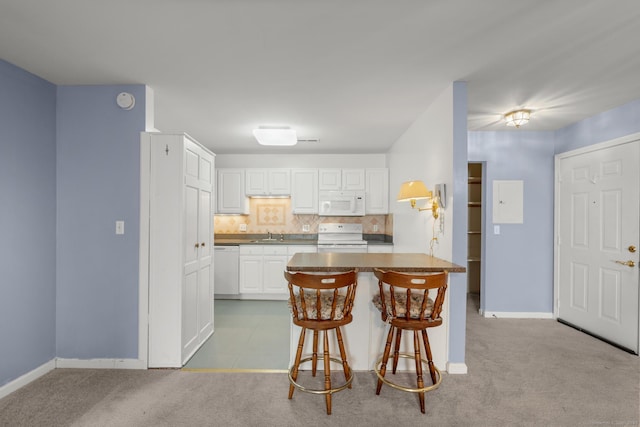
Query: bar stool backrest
[405, 297]
[321, 301]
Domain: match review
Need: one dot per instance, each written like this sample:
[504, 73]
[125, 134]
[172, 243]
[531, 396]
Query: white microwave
[341, 203]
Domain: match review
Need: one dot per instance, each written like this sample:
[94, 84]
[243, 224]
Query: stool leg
[327, 371]
[343, 356]
[427, 347]
[296, 363]
[385, 358]
[416, 345]
[396, 350]
[314, 356]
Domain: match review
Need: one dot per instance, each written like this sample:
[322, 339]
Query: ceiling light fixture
[517, 118]
[281, 136]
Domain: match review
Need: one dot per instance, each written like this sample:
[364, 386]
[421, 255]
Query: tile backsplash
[274, 215]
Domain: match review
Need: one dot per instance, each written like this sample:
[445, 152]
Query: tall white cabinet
[180, 247]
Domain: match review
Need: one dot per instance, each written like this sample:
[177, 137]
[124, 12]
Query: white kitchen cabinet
[268, 182]
[231, 198]
[180, 247]
[250, 277]
[341, 179]
[304, 191]
[262, 270]
[377, 191]
[274, 263]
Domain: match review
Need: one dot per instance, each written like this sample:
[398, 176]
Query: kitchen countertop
[405, 262]
[259, 240]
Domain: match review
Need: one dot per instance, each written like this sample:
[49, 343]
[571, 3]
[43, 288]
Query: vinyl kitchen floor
[248, 335]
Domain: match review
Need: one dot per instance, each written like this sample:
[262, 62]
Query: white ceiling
[353, 73]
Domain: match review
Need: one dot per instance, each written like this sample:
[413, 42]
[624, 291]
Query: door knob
[627, 263]
[632, 249]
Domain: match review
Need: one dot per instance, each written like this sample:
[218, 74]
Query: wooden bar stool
[321, 302]
[405, 304]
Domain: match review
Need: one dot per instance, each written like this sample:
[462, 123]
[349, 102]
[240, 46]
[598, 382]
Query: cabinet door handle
[202, 244]
[197, 245]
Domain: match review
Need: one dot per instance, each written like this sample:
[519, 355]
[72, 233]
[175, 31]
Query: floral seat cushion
[401, 305]
[326, 302]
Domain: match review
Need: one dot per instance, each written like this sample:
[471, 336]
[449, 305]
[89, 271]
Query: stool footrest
[323, 391]
[401, 387]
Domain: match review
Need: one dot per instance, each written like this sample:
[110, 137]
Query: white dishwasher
[225, 268]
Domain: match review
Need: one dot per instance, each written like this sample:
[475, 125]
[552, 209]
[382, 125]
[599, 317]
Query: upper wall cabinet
[341, 179]
[304, 191]
[268, 182]
[377, 191]
[231, 198]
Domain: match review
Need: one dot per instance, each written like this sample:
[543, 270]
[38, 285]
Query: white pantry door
[598, 231]
[197, 291]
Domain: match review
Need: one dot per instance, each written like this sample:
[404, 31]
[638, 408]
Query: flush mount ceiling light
[275, 136]
[517, 118]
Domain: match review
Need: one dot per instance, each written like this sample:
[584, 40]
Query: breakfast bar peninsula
[365, 335]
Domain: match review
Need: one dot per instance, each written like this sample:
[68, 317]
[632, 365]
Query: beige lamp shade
[413, 190]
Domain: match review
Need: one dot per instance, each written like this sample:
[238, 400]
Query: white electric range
[342, 238]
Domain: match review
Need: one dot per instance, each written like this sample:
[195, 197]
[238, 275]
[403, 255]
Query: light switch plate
[119, 227]
[496, 229]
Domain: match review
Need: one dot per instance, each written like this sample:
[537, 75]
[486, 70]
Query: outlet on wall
[375, 227]
[243, 227]
[305, 228]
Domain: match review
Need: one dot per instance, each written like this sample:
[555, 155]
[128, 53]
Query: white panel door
[598, 233]
[191, 267]
[197, 296]
[205, 264]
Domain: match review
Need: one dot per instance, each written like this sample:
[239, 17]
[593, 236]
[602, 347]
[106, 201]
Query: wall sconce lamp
[415, 190]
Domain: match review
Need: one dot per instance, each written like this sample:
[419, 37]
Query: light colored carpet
[521, 373]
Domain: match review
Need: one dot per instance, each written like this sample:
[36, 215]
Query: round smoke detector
[125, 100]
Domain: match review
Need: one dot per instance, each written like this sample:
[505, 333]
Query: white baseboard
[457, 368]
[517, 315]
[101, 363]
[25, 379]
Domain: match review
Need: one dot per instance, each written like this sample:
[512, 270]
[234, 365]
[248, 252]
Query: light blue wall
[611, 124]
[458, 281]
[518, 269]
[98, 182]
[27, 216]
